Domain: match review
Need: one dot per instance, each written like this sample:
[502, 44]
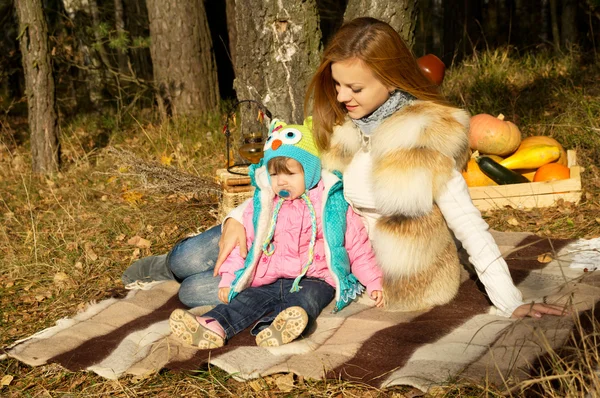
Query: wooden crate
[234, 188]
[529, 195]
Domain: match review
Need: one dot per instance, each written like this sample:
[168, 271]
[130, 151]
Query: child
[307, 247]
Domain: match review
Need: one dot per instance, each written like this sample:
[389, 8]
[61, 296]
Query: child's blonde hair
[380, 47]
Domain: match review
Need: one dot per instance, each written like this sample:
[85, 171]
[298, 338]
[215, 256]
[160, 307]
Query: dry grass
[63, 238]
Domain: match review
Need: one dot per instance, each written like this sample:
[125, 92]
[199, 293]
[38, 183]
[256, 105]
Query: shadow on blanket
[463, 338]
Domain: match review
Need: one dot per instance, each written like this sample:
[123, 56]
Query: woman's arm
[464, 219]
[232, 235]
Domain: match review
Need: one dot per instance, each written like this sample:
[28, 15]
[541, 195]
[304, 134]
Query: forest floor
[65, 239]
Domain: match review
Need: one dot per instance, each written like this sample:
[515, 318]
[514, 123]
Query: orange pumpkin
[433, 68]
[552, 172]
[543, 140]
[493, 136]
[475, 177]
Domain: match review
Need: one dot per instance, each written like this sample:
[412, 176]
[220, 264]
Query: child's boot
[203, 333]
[286, 327]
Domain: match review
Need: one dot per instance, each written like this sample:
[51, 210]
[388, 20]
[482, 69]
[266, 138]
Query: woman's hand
[224, 294]
[537, 310]
[233, 234]
[377, 295]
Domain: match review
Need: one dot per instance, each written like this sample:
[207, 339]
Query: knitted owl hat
[296, 142]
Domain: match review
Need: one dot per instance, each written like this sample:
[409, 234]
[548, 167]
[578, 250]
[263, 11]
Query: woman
[400, 148]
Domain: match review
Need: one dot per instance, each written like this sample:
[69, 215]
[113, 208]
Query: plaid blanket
[464, 338]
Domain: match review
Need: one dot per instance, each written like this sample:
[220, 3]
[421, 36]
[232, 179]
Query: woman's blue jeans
[190, 262]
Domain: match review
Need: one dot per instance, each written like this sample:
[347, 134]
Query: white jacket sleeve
[237, 213]
[465, 221]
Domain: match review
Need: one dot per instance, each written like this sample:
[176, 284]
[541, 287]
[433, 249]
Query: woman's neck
[397, 100]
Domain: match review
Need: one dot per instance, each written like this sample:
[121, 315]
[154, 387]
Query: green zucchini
[498, 173]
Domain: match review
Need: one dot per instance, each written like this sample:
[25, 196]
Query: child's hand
[377, 295]
[224, 294]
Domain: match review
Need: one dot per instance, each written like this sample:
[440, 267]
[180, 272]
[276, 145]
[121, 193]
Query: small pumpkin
[475, 177]
[543, 140]
[552, 172]
[493, 135]
[433, 68]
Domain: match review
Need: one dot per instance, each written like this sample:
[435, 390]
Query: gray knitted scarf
[397, 100]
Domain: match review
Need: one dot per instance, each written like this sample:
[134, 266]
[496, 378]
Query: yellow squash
[532, 157]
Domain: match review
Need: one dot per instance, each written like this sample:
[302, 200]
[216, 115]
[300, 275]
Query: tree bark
[400, 14]
[231, 29]
[554, 18]
[569, 22]
[120, 28]
[185, 71]
[41, 104]
[277, 51]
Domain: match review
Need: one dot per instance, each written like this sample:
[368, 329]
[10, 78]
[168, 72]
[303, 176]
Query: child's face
[358, 88]
[292, 183]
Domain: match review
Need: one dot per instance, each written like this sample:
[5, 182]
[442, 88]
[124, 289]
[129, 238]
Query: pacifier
[284, 193]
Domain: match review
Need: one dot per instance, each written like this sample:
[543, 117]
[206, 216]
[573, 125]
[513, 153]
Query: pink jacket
[291, 240]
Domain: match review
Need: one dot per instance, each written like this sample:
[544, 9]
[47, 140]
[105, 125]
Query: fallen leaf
[120, 237]
[513, 221]
[544, 258]
[136, 254]
[40, 297]
[133, 197]
[6, 380]
[61, 279]
[598, 220]
[256, 385]
[285, 383]
[78, 265]
[89, 252]
[166, 160]
[140, 242]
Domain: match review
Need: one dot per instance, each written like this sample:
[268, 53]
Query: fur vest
[414, 152]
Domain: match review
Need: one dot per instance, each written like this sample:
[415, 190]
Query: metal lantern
[252, 148]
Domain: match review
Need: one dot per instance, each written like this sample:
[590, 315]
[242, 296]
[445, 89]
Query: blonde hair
[380, 47]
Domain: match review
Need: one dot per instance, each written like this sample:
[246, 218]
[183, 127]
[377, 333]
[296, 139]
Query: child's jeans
[253, 303]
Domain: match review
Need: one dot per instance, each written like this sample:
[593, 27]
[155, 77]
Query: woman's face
[291, 184]
[358, 88]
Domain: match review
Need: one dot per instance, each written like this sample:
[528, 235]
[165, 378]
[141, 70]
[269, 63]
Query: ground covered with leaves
[135, 189]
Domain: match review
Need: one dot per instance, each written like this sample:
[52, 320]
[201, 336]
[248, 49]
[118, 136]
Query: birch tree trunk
[185, 70]
[41, 104]
[400, 14]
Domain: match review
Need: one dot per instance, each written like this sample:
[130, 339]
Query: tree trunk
[277, 51]
[120, 27]
[231, 29]
[185, 71]
[492, 22]
[400, 14]
[554, 17]
[569, 22]
[39, 82]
